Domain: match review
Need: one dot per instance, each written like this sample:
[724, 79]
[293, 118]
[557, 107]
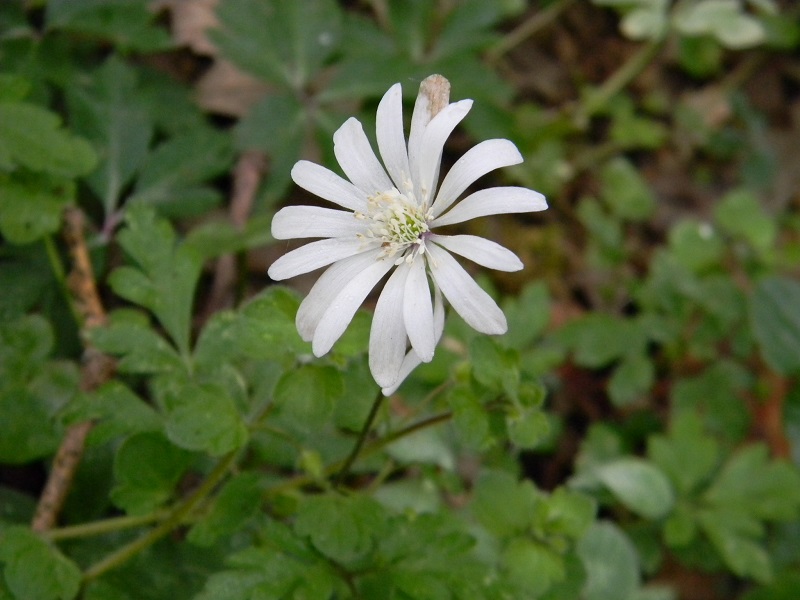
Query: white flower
[390, 225]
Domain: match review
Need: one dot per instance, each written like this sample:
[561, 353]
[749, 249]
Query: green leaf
[626, 192]
[36, 570]
[469, 417]
[234, 505]
[504, 505]
[203, 417]
[744, 556]
[173, 175]
[775, 316]
[532, 566]
[696, 245]
[568, 513]
[284, 42]
[631, 380]
[146, 469]
[141, 350]
[740, 214]
[108, 110]
[129, 24]
[166, 276]
[495, 367]
[611, 563]
[342, 528]
[30, 210]
[598, 339]
[305, 395]
[750, 482]
[723, 19]
[528, 427]
[686, 454]
[527, 316]
[33, 137]
[639, 485]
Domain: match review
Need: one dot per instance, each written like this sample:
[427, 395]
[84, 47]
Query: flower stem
[362, 437]
[174, 519]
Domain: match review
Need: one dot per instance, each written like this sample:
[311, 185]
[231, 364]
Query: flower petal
[467, 298]
[430, 155]
[314, 256]
[412, 360]
[418, 311]
[328, 185]
[293, 222]
[358, 161]
[391, 138]
[387, 337]
[479, 250]
[330, 283]
[340, 312]
[493, 201]
[476, 162]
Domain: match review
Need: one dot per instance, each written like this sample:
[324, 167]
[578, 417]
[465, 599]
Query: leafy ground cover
[166, 433]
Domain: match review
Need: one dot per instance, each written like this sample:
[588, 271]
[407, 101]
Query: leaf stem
[172, 521]
[104, 526]
[351, 458]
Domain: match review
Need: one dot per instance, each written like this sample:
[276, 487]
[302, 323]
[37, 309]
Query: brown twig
[246, 179]
[96, 369]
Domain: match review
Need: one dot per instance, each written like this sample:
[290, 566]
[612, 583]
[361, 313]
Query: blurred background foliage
[634, 436]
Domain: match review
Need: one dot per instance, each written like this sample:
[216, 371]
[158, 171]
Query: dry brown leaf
[226, 90]
[190, 21]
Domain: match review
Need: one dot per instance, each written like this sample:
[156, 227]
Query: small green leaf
[723, 19]
[527, 428]
[569, 513]
[532, 566]
[146, 468]
[744, 556]
[775, 317]
[469, 417]
[36, 570]
[639, 485]
[141, 349]
[696, 245]
[33, 138]
[740, 214]
[626, 192]
[495, 367]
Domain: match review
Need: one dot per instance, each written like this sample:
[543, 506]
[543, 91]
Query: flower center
[398, 222]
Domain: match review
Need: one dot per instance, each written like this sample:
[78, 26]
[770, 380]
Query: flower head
[392, 213]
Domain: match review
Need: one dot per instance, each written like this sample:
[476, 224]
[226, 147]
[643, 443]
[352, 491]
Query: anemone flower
[392, 214]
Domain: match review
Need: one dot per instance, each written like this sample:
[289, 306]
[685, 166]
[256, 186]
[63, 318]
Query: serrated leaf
[775, 316]
[343, 528]
[749, 481]
[527, 428]
[685, 454]
[568, 513]
[31, 210]
[305, 395]
[129, 24]
[503, 504]
[469, 417]
[33, 137]
[741, 553]
[108, 111]
[36, 570]
[173, 175]
[141, 350]
[639, 485]
[532, 566]
[166, 276]
[146, 469]
[283, 42]
[495, 367]
[236, 502]
[205, 418]
[598, 339]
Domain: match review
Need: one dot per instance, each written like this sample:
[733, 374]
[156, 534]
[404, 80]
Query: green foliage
[638, 422]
